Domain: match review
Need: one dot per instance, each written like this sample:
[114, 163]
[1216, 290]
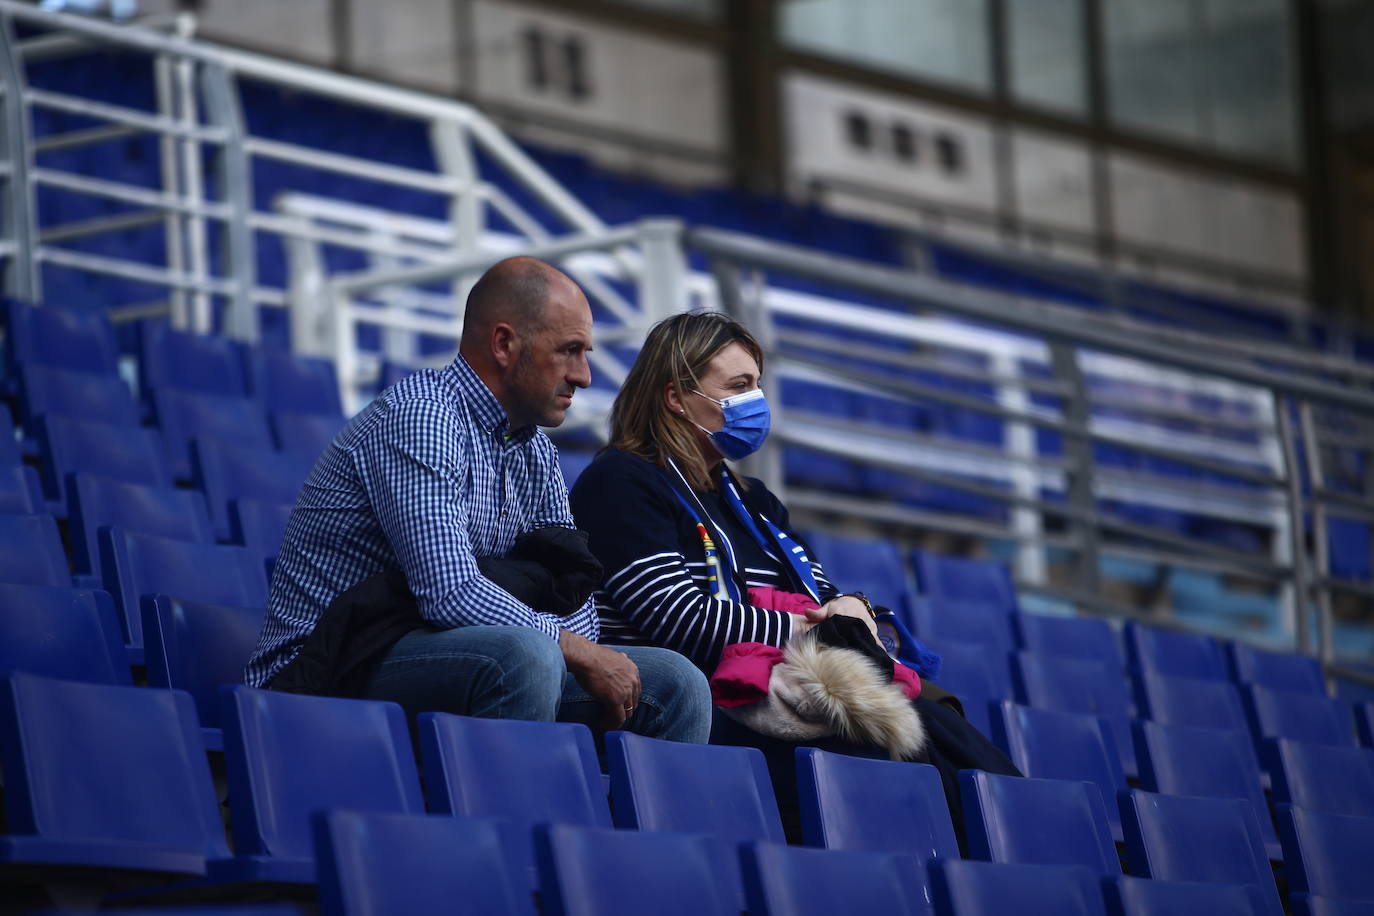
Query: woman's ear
[672, 399]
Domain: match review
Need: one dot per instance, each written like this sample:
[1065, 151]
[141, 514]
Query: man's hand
[609, 676]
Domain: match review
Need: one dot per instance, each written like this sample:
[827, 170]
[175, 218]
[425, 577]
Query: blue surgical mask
[747, 421]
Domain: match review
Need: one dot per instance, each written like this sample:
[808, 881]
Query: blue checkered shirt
[427, 478]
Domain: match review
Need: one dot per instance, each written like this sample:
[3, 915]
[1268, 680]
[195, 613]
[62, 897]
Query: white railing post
[663, 279]
[1019, 443]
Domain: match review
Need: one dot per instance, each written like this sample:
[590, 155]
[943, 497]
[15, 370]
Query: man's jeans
[518, 673]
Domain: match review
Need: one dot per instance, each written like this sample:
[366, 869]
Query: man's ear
[505, 345]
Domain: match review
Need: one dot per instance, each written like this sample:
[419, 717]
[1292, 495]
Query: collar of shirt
[469, 389]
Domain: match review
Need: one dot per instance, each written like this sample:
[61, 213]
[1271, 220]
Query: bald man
[445, 469]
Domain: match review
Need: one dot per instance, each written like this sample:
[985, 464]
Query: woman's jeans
[518, 673]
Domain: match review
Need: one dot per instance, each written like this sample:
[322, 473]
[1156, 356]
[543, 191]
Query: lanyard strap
[720, 553]
[793, 554]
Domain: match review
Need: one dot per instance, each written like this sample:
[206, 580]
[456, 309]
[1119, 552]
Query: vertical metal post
[663, 280]
[1321, 548]
[235, 188]
[169, 159]
[1292, 475]
[312, 333]
[1078, 449]
[344, 340]
[1031, 562]
[193, 184]
[19, 218]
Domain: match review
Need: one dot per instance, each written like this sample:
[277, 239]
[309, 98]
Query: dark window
[904, 143]
[575, 59]
[858, 130]
[536, 71]
[950, 152]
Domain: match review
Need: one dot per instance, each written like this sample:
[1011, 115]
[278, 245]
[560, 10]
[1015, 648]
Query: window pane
[1046, 46]
[945, 40]
[1151, 71]
[702, 9]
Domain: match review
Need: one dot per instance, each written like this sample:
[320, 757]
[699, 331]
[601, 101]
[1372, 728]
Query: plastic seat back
[1086, 638]
[63, 338]
[1174, 652]
[1305, 717]
[258, 524]
[99, 502]
[939, 620]
[822, 882]
[1179, 760]
[977, 674]
[691, 788]
[1364, 723]
[1186, 838]
[1127, 896]
[1062, 745]
[962, 580]
[20, 491]
[80, 395]
[1080, 686]
[9, 448]
[300, 384]
[99, 775]
[1323, 777]
[198, 647]
[69, 446]
[871, 565]
[224, 472]
[138, 566]
[1276, 670]
[403, 863]
[870, 805]
[593, 871]
[1313, 905]
[307, 435]
[65, 633]
[288, 756]
[183, 416]
[1037, 822]
[185, 361]
[31, 552]
[1327, 854]
[962, 888]
[1199, 702]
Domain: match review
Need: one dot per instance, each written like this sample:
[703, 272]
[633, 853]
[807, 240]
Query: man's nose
[581, 376]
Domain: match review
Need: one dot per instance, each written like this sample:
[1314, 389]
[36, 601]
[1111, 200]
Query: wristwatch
[868, 605]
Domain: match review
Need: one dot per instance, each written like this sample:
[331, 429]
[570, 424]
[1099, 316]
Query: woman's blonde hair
[678, 350]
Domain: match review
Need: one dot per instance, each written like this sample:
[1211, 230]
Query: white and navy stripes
[656, 591]
[427, 478]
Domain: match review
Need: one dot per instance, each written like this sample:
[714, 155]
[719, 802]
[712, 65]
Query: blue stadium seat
[1199, 702]
[1276, 670]
[197, 648]
[78, 446]
[572, 463]
[301, 384]
[1037, 822]
[977, 675]
[288, 756]
[871, 565]
[31, 552]
[1210, 762]
[1181, 838]
[1327, 854]
[1312, 905]
[225, 472]
[963, 888]
[1047, 744]
[1086, 638]
[20, 491]
[258, 524]
[139, 567]
[1081, 686]
[1323, 777]
[938, 620]
[60, 338]
[1173, 652]
[45, 391]
[593, 871]
[1364, 722]
[1127, 896]
[691, 788]
[100, 776]
[9, 447]
[307, 435]
[870, 805]
[1300, 716]
[182, 416]
[522, 772]
[372, 863]
[965, 581]
[63, 633]
[203, 363]
[98, 502]
[823, 882]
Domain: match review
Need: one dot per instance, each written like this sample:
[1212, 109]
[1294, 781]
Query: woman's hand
[849, 606]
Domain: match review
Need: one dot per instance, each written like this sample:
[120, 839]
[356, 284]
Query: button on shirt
[427, 478]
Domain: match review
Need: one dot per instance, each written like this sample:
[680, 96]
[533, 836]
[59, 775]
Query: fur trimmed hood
[819, 691]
